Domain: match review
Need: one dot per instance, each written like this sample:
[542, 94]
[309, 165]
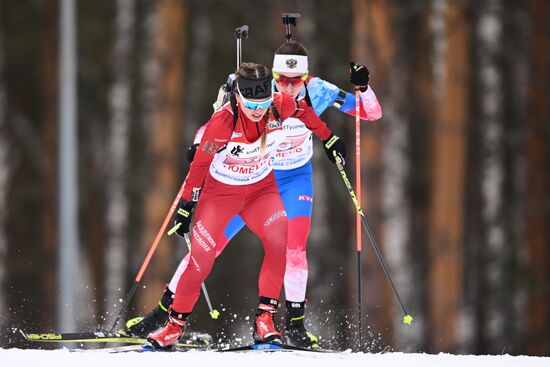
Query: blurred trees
[5, 173]
[538, 179]
[455, 175]
[47, 65]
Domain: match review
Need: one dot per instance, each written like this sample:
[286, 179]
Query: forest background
[456, 174]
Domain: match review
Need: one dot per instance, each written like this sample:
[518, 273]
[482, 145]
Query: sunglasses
[253, 105]
[284, 81]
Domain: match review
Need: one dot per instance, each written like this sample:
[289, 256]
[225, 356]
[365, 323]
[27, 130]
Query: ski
[275, 347]
[192, 340]
[123, 349]
[144, 348]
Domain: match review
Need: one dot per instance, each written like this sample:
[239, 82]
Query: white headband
[290, 64]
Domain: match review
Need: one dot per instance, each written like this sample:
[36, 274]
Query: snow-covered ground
[59, 358]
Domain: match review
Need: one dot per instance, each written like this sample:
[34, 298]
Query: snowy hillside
[58, 358]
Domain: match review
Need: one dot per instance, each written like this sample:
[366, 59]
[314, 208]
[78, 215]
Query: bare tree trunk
[117, 199]
[5, 172]
[447, 204]
[538, 180]
[164, 145]
[373, 45]
[48, 159]
[148, 71]
[474, 313]
[334, 232]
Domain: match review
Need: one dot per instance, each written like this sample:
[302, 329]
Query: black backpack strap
[308, 100]
[234, 108]
[276, 114]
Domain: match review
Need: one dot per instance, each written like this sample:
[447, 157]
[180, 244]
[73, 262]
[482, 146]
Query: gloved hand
[335, 147]
[183, 217]
[190, 154]
[359, 76]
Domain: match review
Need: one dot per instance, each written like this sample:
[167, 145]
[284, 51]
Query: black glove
[359, 76]
[335, 147]
[183, 217]
[191, 152]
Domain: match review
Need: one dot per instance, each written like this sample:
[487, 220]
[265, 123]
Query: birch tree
[488, 48]
[516, 56]
[117, 166]
[405, 183]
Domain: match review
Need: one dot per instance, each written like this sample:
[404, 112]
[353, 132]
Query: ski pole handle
[174, 229]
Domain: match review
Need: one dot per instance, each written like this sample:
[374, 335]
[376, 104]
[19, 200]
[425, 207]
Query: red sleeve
[216, 135]
[299, 109]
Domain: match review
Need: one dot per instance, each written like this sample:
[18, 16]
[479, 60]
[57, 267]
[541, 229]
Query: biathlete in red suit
[233, 167]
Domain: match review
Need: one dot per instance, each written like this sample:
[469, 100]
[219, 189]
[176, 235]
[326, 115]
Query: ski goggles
[284, 81]
[253, 105]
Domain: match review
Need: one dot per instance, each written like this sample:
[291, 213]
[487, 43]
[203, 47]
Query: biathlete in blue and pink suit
[293, 174]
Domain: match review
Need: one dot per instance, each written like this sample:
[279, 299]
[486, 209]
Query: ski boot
[143, 325]
[264, 329]
[170, 334]
[296, 332]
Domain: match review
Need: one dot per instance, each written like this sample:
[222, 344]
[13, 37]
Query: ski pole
[407, 319]
[148, 257]
[358, 217]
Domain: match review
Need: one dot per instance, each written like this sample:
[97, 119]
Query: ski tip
[267, 346]
[47, 337]
[407, 319]
[153, 347]
[275, 347]
[148, 347]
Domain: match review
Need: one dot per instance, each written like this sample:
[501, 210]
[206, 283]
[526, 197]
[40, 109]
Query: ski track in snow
[57, 358]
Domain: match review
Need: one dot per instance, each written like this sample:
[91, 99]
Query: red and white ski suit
[234, 163]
